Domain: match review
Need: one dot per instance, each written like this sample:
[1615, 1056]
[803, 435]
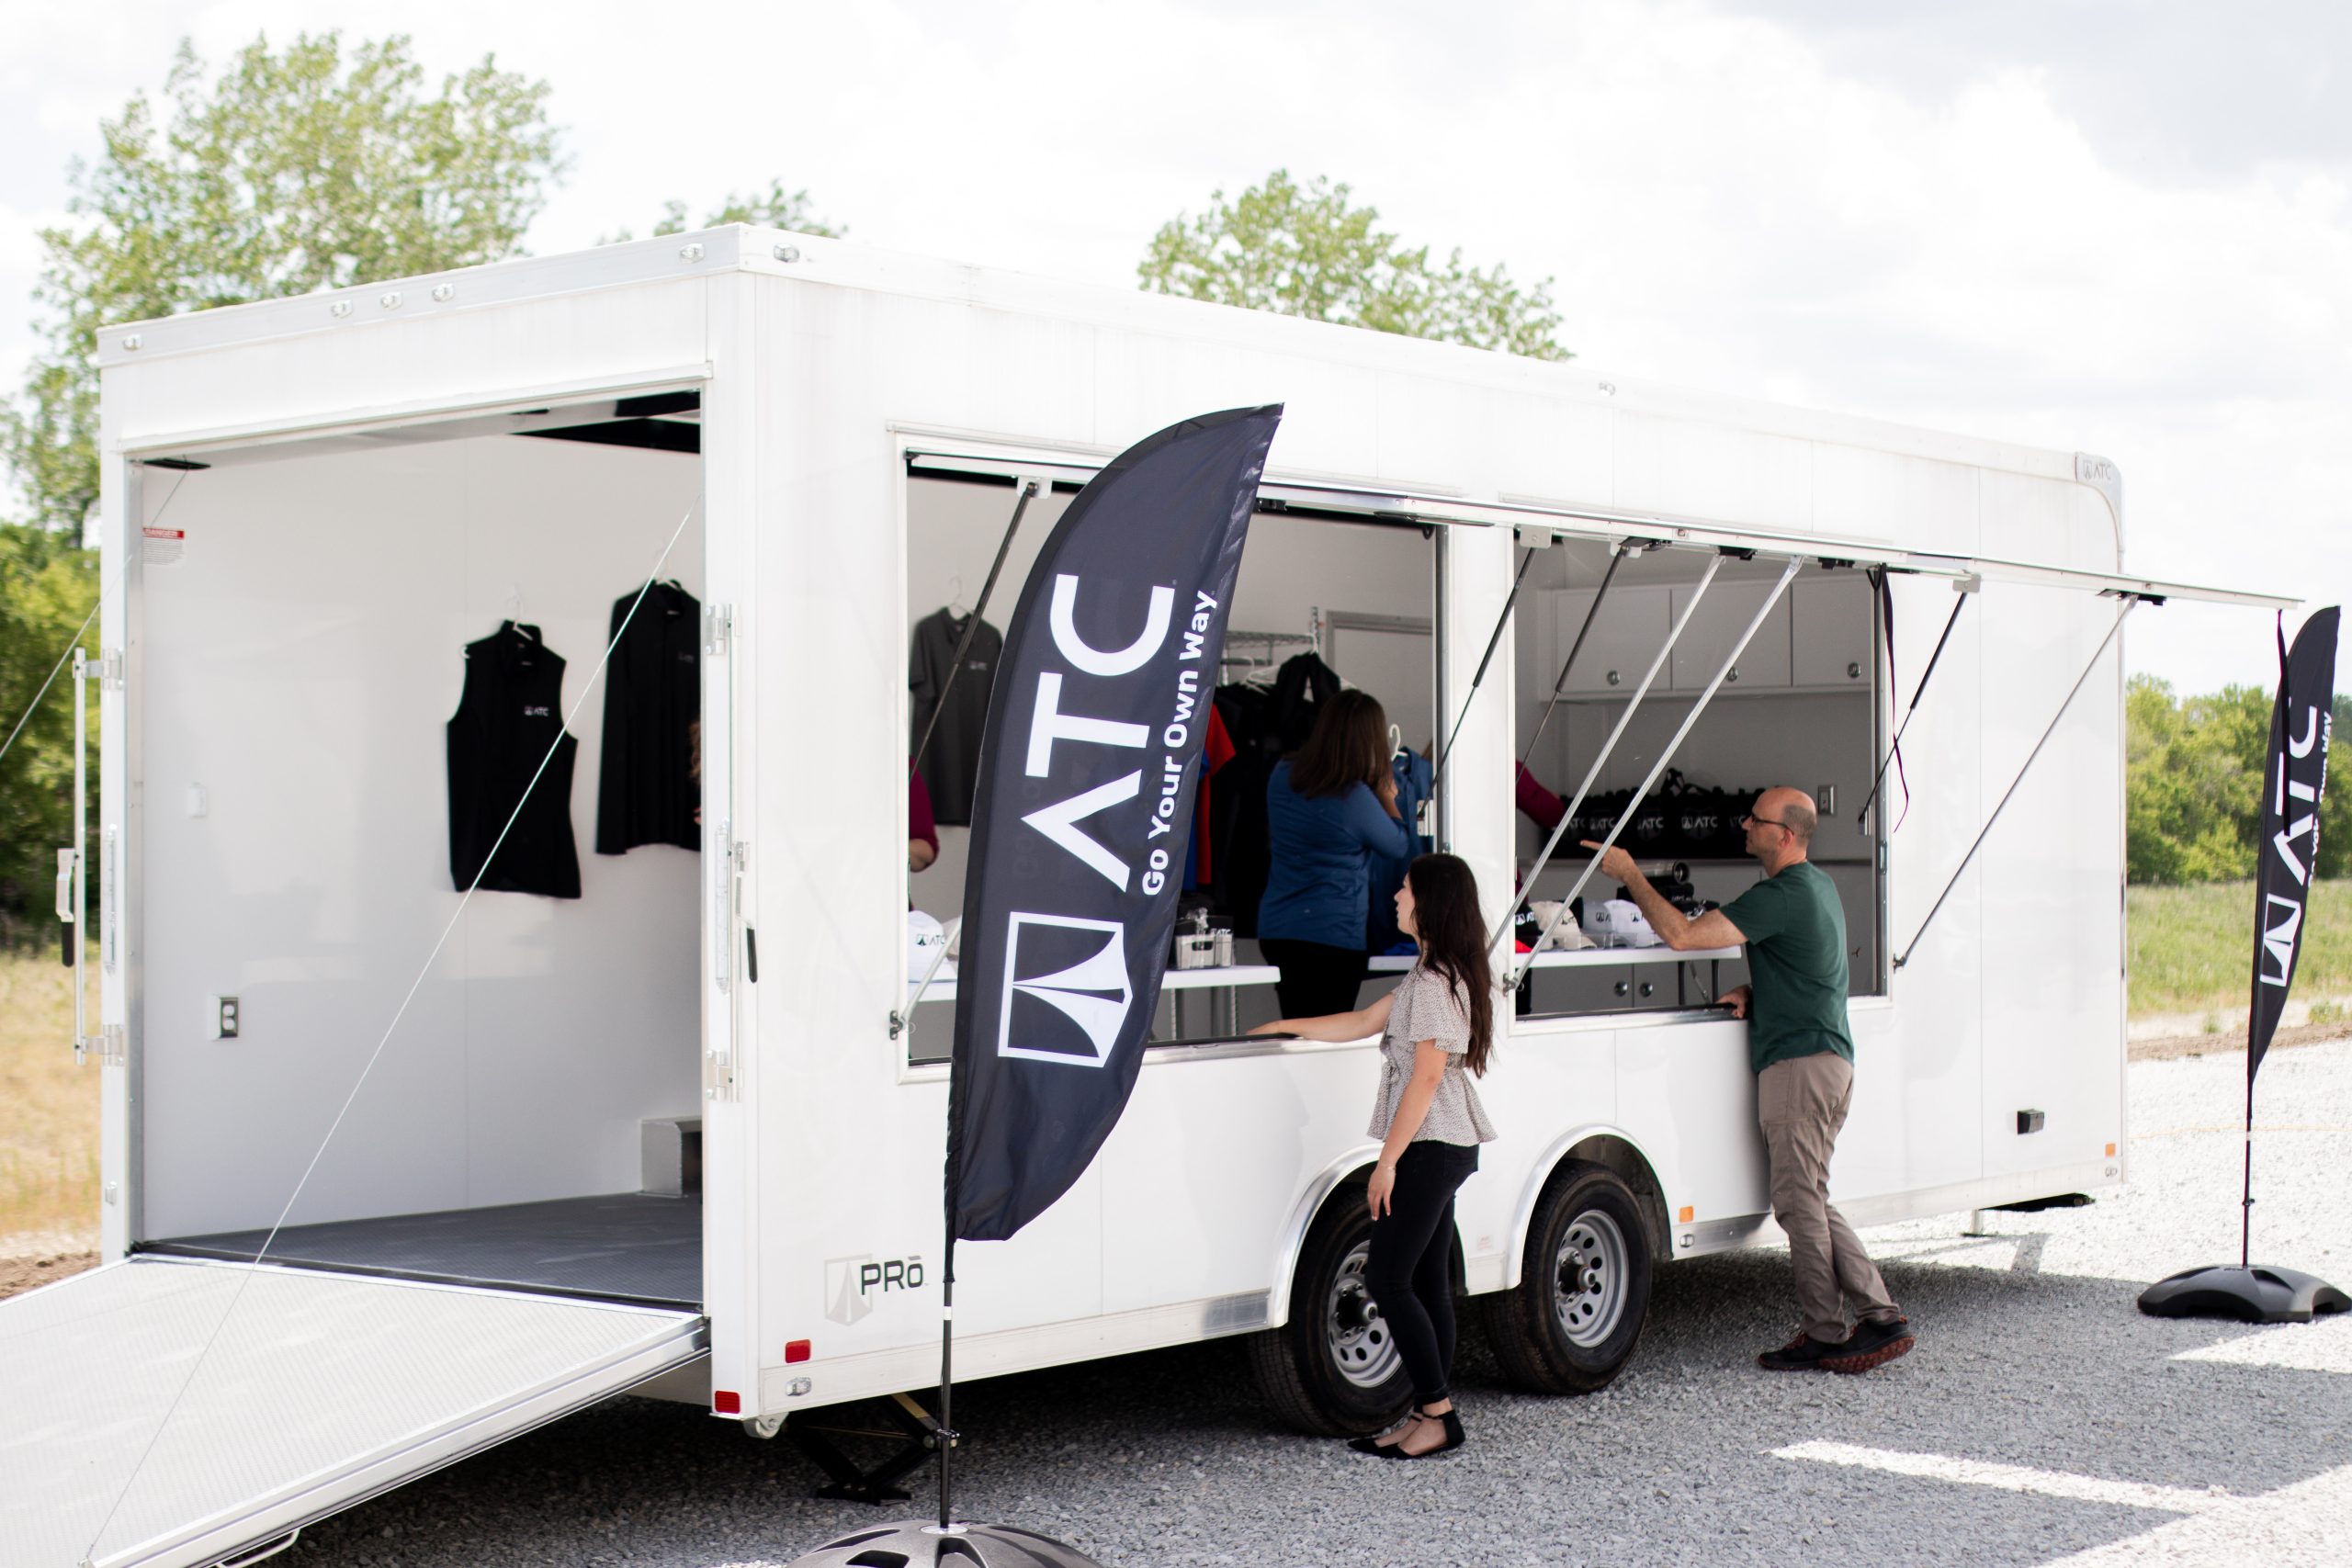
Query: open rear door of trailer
[175, 1412]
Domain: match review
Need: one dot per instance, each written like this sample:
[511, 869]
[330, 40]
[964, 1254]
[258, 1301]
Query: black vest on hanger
[646, 792]
[511, 713]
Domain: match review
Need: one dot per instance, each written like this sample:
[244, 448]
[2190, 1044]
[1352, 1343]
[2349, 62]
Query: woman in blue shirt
[1329, 808]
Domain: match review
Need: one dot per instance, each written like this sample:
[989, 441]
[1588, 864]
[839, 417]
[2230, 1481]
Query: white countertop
[1582, 958]
[944, 988]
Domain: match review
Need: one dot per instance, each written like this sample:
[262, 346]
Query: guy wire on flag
[401, 1011]
[75, 640]
[964, 643]
[2131, 603]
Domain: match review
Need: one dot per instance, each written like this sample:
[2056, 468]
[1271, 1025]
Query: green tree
[47, 586]
[774, 207]
[311, 167]
[1302, 250]
[2193, 785]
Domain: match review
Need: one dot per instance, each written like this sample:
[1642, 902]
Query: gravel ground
[2032, 1355]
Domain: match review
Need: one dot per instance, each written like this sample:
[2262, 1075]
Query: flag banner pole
[1090, 763]
[2294, 785]
[971, 625]
[1082, 811]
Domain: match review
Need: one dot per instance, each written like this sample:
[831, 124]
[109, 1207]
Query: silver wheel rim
[1354, 1331]
[1589, 1280]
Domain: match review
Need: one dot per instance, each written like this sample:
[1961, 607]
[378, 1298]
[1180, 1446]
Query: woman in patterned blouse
[1437, 1033]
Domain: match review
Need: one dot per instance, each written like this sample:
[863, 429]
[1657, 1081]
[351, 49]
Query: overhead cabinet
[1713, 632]
[1625, 636]
[1830, 630]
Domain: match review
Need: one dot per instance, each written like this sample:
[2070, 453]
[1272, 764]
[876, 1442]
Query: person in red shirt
[922, 833]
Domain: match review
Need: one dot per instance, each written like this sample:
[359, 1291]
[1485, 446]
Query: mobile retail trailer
[683, 1130]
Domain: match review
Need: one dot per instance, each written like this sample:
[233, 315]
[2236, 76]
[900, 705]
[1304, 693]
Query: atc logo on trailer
[1066, 989]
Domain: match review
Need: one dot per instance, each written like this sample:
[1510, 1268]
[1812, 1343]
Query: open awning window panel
[1536, 520]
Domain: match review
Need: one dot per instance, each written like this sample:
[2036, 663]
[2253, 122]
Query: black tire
[1332, 1368]
[1571, 1325]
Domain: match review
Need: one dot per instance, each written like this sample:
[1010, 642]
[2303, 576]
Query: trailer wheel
[1333, 1370]
[1570, 1325]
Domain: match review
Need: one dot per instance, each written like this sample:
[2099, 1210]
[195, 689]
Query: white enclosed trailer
[309, 506]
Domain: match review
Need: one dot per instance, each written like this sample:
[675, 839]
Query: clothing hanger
[1395, 738]
[956, 597]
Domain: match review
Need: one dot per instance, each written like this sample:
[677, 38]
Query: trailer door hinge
[108, 1044]
[105, 670]
[718, 629]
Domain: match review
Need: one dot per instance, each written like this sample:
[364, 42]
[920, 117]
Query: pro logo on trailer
[854, 1285]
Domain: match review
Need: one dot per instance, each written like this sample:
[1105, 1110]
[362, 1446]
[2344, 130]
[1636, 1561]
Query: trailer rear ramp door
[318, 1390]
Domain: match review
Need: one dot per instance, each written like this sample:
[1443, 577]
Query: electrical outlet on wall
[221, 1017]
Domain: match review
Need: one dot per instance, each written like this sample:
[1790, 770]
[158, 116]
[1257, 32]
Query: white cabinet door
[1830, 631]
[1723, 614]
[1626, 636]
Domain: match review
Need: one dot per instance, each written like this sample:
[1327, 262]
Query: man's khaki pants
[1802, 1104]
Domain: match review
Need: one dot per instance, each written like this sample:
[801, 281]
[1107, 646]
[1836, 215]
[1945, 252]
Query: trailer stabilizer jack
[897, 1420]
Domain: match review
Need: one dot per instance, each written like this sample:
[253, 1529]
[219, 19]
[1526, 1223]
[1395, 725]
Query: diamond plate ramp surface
[627, 1246]
[318, 1389]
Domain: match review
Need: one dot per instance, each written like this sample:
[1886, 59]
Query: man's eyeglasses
[1747, 817]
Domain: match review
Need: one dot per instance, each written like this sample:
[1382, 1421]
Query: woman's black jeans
[1410, 1271]
[1317, 980]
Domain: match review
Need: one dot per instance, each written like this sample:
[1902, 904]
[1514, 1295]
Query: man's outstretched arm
[1679, 931]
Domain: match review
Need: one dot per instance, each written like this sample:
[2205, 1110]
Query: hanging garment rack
[1312, 637]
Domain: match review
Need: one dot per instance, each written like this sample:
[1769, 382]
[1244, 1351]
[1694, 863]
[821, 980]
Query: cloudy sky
[2125, 229]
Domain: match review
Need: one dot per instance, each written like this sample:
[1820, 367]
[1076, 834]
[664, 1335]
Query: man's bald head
[1793, 809]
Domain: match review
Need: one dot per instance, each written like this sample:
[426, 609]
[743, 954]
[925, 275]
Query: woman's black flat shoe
[1454, 1439]
[1372, 1445]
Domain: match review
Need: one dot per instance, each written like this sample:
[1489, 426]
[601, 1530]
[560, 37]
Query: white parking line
[2305, 1524]
[2324, 1346]
[2011, 1477]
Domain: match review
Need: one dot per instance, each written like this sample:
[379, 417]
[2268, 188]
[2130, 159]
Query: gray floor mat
[626, 1248]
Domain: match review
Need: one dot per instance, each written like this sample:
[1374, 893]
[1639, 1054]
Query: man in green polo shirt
[1802, 1054]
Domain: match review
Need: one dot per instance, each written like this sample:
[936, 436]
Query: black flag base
[2249, 1295]
[917, 1543]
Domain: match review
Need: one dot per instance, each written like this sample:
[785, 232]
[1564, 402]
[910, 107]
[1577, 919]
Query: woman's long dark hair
[1453, 941]
[1349, 745]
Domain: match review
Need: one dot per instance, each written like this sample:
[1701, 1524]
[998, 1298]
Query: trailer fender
[1309, 1203]
[1593, 1145]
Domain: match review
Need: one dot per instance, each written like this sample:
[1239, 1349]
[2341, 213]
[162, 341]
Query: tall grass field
[48, 1107]
[2192, 948]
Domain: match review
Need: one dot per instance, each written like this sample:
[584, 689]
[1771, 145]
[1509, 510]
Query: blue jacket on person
[1319, 887]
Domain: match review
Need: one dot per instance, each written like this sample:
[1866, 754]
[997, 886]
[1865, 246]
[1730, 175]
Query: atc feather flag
[1084, 802]
[2294, 778]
